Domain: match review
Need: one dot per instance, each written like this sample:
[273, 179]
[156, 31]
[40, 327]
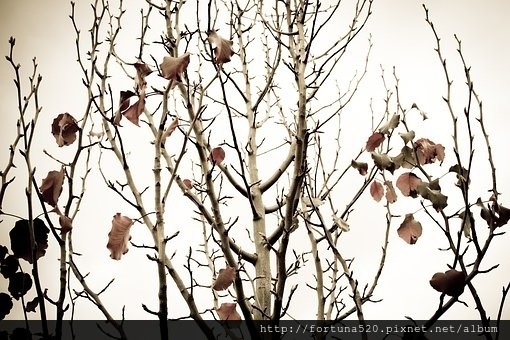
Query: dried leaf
[362, 167]
[66, 224]
[5, 305]
[170, 129]
[468, 222]
[410, 229]
[9, 266]
[217, 155]
[225, 278]
[374, 141]
[408, 183]
[376, 190]
[172, 68]
[227, 312]
[428, 151]
[118, 237]
[406, 158]
[135, 111]
[19, 284]
[32, 305]
[438, 200]
[142, 71]
[51, 186]
[20, 239]
[64, 129]
[223, 47]
[312, 201]
[407, 136]
[392, 124]
[383, 162]
[341, 223]
[452, 282]
[391, 195]
[187, 183]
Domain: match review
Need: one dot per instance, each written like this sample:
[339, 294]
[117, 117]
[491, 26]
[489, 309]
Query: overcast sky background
[401, 38]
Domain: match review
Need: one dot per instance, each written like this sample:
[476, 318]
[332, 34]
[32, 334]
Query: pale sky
[401, 38]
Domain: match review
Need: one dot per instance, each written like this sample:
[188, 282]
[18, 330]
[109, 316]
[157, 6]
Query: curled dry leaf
[432, 192]
[428, 151]
[64, 129]
[374, 141]
[217, 155]
[362, 167]
[172, 68]
[66, 224]
[225, 278]
[376, 190]
[391, 124]
[227, 312]
[410, 230]
[383, 162]
[341, 223]
[51, 186]
[391, 195]
[451, 282]
[408, 184]
[407, 136]
[312, 201]
[406, 158]
[118, 237]
[142, 71]
[223, 47]
[20, 239]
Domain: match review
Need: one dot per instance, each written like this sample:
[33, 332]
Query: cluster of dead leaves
[227, 311]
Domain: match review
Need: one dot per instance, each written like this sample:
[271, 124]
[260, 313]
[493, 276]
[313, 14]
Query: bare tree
[229, 101]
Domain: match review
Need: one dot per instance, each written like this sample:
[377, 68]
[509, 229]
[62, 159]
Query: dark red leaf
[452, 282]
[217, 155]
[64, 129]
[376, 190]
[188, 183]
[374, 141]
[428, 151]
[51, 186]
[391, 195]
[410, 230]
[118, 237]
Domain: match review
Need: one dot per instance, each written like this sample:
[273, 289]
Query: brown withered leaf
[451, 282]
[51, 186]
[406, 158]
[227, 312]
[362, 167]
[410, 229]
[391, 195]
[374, 141]
[223, 47]
[408, 183]
[172, 68]
[135, 111]
[170, 129]
[428, 151]
[64, 129]
[407, 136]
[377, 191]
[66, 224]
[118, 237]
[142, 70]
[217, 155]
[225, 278]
